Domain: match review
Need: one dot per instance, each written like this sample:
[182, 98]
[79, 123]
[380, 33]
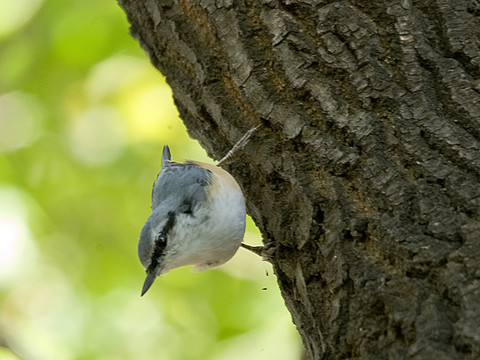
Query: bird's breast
[214, 231]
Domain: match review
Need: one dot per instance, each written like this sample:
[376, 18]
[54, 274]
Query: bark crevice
[365, 178]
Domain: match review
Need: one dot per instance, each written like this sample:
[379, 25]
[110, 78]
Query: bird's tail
[166, 156]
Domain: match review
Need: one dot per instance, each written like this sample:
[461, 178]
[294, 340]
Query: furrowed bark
[365, 178]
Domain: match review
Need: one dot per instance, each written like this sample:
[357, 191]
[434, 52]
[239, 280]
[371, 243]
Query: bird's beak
[148, 281]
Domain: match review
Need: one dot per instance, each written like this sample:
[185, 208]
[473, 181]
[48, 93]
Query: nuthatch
[198, 218]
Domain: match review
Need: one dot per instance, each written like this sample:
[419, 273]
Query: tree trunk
[365, 178]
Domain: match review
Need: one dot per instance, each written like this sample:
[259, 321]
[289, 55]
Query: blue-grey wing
[182, 184]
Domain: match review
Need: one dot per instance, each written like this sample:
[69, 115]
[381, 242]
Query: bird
[198, 218]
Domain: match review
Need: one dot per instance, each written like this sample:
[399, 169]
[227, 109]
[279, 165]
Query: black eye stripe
[161, 242]
[170, 222]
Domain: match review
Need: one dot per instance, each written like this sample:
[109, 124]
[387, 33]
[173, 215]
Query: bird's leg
[258, 250]
[255, 249]
[266, 252]
[240, 144]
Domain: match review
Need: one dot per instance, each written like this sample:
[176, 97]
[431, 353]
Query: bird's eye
[160, 241]
[159, 246]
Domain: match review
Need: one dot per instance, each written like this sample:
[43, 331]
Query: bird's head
[155, 245]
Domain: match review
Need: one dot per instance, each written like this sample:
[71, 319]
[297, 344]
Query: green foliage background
[83, 119]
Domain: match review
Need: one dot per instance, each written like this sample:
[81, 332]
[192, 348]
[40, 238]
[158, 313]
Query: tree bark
[365, 178]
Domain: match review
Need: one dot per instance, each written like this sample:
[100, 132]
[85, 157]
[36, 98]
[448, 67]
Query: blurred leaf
[83, 119]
